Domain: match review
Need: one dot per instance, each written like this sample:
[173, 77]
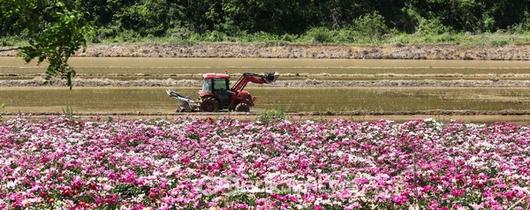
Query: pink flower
[400, 199]
[129, 177]
[362, 181]
[458, 192]
[353, 206]
[303, 164]
[433, 205]
[154, 193]
[240, 206]
[426, 189]
[77, 183]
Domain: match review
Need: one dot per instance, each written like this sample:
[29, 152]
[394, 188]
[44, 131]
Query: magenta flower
[400, 199]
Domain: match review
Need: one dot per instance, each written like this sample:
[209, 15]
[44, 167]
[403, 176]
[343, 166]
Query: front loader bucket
[271, 77]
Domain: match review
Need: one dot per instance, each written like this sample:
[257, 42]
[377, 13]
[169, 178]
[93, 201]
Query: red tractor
[216, 93]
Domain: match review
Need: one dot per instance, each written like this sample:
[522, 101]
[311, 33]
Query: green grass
[154, 100]
[12, 41]
[491, 39]
[339, 37]
[343, 36]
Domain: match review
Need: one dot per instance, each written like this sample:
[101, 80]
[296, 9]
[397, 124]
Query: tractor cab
[216, 86]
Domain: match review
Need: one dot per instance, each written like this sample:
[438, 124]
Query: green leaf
[61, 35]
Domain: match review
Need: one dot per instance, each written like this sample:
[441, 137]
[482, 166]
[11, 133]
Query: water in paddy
[154, 100]
[172, 66]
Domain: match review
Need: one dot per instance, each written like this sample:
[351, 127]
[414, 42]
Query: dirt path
[236, 50]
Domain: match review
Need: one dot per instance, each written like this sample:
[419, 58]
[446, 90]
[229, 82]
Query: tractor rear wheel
[242, 107]
[209, 104]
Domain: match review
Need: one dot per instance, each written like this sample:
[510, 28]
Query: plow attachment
[186, 103]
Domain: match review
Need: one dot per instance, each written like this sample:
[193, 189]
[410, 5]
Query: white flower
[11, 184]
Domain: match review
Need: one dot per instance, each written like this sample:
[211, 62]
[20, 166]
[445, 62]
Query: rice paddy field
[146, 68]
[292, 99]
[155, 100]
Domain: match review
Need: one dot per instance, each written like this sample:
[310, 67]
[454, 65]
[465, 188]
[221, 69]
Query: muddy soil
[235, 50]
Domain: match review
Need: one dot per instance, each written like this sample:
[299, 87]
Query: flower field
[205, 163]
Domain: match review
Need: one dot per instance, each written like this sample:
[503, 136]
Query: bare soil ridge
[308, 83]
[236, 50]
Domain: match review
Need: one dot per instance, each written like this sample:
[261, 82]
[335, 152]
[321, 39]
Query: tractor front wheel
[209, 104]
[242, 107]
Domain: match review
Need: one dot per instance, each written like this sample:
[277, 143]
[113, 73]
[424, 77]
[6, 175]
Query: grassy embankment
[315, 36]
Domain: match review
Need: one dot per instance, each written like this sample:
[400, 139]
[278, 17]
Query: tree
[53, 30]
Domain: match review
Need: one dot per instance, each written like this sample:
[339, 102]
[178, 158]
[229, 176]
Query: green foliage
[215, 36]
[320, 35]
[58, 41]
[431, 27]
[54, 34]
[270, 115]
[127, 36]
[241, 197]
[58, 28]
[179, 33]
[371, 25]
[68, 112]
[11, 41]
[127, 190]
[2, 107]
[147, 17]
[234, 18]
[499, 43]
[523, 26]
[342, 36]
